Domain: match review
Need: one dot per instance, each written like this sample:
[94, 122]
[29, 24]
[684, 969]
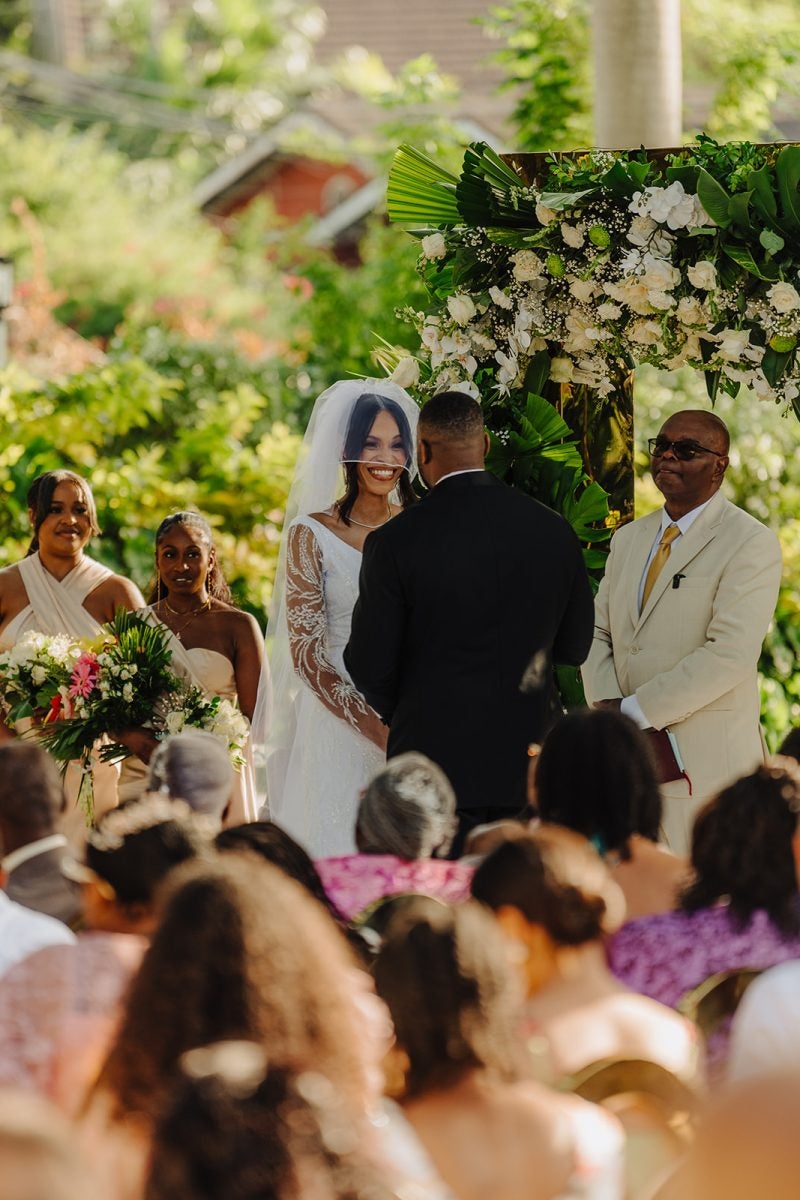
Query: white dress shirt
[23, 932]
[630, 706]
[463, 471]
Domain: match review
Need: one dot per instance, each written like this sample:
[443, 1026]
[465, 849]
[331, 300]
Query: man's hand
[614, 704]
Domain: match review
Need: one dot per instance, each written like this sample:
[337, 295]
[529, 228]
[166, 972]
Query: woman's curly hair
[240, 952]
[742, 848]
[444, 974]
[556, 879]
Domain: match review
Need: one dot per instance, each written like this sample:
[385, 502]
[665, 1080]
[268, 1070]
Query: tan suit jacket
[690, 656]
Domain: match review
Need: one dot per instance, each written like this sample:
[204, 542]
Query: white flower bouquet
[189, 707]
[36, 676]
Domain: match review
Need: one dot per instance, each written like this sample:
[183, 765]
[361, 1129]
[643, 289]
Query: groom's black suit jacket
[466, 599]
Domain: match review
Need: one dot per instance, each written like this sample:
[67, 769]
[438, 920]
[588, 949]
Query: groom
[465, 602]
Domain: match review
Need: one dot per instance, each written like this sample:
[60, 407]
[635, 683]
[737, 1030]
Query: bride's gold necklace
[364, 524]
[195, 612]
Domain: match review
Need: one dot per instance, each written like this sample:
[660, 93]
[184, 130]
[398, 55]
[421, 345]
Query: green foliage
[149, 448]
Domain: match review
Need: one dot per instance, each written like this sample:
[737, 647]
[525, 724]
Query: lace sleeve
[305, 617]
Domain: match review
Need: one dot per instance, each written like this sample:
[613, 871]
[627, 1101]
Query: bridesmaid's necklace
[195, 612]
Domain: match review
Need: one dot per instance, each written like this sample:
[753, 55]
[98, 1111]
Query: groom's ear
[425, 452]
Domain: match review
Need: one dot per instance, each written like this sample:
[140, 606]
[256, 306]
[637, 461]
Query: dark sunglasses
[684, 448]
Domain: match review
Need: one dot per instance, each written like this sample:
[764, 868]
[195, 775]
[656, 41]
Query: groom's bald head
[451, 436]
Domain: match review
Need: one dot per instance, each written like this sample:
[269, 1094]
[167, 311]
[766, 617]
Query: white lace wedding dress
[325, 759]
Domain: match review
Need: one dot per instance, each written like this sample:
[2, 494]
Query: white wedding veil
[318, 482]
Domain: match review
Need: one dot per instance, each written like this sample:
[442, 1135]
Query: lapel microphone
[676, 581]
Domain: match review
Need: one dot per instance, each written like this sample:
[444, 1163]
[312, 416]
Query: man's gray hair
[194, 766]
[408, 809]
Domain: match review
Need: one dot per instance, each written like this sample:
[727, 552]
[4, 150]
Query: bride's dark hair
[362, 418]
[216, 584]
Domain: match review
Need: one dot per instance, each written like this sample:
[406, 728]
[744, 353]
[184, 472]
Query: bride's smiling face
[383, 456]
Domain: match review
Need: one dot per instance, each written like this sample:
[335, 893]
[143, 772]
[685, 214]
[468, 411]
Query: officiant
[682, 610]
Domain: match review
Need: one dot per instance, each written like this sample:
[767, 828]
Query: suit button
[634, 649]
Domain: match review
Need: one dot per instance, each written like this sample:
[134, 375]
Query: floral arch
[551, 276]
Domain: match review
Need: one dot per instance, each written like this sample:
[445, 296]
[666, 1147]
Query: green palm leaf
[420, 192]
[490, 193]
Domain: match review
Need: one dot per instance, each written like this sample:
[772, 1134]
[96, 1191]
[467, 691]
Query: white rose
[703, 275]
[175, 722]
[641, 230]
[783, 297]
[582, 290]
[732, 343]
[127, 692]
[690, 311]
[572, 235]
[644, 333]
[561, 370]
[608, 311]
[434, 246]
[658, 274]
[500, 298]
[660, 300]
[38, 675]
[406, 373]
[527, 265]
[461, 308]
[545, 215]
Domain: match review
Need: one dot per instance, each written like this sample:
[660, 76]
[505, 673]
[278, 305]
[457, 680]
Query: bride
[325, 741]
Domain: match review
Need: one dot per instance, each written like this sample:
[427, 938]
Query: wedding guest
[595, 774]
[406, 820]
[790, 746]
[23, 931]
[31, 802]
[38, 1158]
[57, 588]
[59, 1007]
[215, 646]
[240, 952]
[740, 910]
[556, 902]
[194, 766]
[765, 1036]
[238, 1125]
[488, 1129]
[276, 846]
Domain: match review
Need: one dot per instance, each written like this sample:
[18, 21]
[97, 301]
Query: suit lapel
[688, 547]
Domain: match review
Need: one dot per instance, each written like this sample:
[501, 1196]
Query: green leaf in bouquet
[714, 199]
[419, 191]
[774, 364]
[744, 257]
[772, 242]
[760, 183]
[787, 171]
[490, 193]
[562, 200]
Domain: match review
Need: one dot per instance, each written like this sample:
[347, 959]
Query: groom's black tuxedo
[466, 599]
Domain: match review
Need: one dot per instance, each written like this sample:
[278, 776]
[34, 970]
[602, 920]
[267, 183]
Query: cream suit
[690, 656]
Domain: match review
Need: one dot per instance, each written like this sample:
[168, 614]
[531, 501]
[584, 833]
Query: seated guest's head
[407, 809]
[38, 1156]
[444, 975]
[790, 746]
[276, 846]
[31, 795]
[128, 856]
[551, 891]
[240, 952]
[595, 775]
[238, 1125]
[745, 847]
[194, 766]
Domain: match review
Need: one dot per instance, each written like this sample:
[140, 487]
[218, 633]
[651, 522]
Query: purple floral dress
[665, 956]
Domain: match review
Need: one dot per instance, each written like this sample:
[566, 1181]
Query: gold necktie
[657, 564]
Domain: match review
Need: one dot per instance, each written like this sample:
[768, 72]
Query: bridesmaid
[214, 645]
[58, 589]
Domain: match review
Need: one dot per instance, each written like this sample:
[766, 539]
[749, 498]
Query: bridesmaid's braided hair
[215, 581]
